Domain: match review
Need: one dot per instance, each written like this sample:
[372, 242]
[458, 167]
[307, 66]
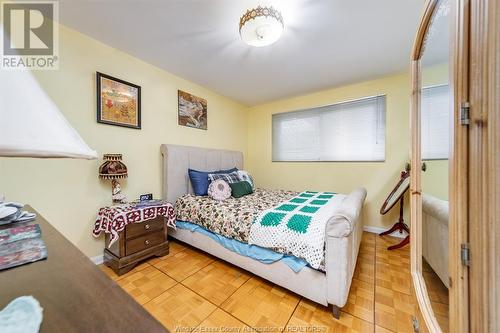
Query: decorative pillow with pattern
[231, 177]
[245, 176]
[219, 190]
[199, 179]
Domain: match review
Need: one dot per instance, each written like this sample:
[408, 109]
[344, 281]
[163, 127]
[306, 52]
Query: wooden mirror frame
[474, 293]
[419, 285]
[386, 207]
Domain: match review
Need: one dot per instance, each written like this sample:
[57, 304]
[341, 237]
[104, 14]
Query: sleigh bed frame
[343, 234]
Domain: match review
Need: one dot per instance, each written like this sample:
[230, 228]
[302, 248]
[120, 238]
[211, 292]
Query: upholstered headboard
[178, 159]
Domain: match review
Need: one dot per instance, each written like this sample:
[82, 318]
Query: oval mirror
[396, 194]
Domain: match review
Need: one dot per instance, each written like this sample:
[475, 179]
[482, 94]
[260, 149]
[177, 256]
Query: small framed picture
[118, 102]
[192, 111]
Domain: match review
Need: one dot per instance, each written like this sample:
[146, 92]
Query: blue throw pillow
[200, 182]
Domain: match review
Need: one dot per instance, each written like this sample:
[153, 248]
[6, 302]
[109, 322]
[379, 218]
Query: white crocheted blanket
[297, 226]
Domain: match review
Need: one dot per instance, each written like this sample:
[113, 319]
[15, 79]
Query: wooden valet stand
[397, 194]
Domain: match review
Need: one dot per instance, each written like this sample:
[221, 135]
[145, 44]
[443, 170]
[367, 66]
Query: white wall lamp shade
[261, 26]
[31, 125]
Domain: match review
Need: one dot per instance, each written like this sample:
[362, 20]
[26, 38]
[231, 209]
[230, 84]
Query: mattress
[231, 218]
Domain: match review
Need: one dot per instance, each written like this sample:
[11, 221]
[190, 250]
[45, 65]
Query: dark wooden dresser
[74, 294]
[137, 242]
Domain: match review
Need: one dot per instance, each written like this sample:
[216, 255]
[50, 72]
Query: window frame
[383, 160]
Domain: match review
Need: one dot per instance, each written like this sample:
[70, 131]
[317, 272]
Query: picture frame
[118, 102]
[192, 111]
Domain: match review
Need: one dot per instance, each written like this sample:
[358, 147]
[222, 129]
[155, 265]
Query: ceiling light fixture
[261, 26]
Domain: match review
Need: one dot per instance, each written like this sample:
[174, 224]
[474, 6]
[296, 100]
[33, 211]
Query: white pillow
[219, 190]
[245, 176]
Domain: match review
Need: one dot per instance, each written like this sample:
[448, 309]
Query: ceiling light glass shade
[261, 26]
[31, 125]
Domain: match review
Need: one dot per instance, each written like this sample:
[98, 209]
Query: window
[350, 131]
[436, 122]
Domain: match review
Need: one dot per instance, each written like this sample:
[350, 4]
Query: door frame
[484, 166]
[459, 310]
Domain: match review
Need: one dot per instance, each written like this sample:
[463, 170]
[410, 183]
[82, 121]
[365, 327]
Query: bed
[329, 284]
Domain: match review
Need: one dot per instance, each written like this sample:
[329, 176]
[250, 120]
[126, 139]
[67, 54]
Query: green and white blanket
[297, 226]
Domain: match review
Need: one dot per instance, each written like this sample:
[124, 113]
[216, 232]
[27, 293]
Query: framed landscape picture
[192, 110]
[118, 102]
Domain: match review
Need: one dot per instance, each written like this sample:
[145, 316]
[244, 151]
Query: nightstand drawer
[138, 229]
[143, 242]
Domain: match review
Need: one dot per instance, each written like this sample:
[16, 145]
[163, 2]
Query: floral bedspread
[231, 218]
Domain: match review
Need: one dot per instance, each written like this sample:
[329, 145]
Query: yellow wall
[377, 177]
[435, 179]
[68, 192]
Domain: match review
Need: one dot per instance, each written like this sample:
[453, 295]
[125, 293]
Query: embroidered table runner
[113, 219]
[297, 226]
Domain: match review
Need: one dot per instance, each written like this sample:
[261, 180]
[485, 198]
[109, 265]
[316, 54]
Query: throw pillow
[245, 176]
[219, 190]
[231, 177]
[240, 189]
[199, 179]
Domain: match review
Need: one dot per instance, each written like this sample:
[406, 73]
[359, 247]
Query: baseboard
[378, 230]
[98, 259]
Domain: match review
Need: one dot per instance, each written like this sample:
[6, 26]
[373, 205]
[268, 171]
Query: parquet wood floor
[183, 264]
[190, 291]
[220, 318]
[180, 308]
[146, 284]
[217, 281]
[262, 305]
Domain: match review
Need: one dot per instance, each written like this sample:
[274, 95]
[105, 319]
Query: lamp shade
[113, 167]
[31, 125]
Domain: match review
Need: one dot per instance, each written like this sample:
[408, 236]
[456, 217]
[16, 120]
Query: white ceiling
[326, 42]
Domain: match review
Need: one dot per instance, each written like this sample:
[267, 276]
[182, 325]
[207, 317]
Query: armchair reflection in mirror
[397, 194]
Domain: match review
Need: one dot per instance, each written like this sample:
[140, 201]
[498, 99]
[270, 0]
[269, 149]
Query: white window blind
[350, 131]
[436, 122]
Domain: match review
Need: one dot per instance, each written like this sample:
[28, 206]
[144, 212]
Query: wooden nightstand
[138, 241]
